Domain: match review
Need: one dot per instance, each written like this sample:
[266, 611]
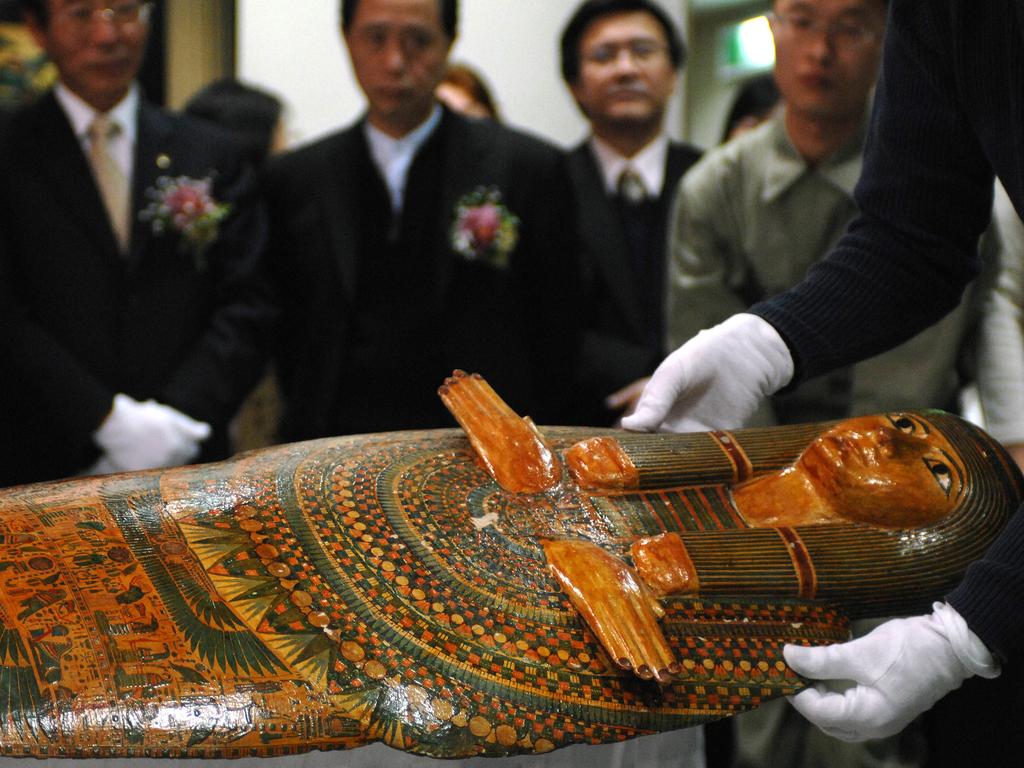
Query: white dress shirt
[393, 157]
[649, 163]
[121, 146]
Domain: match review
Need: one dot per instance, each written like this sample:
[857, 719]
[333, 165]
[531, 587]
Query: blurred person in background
[464, 90]
[755, 101]
[255, 120]
[253, 116]
[417, 241]
[621, 61]
[130, 336]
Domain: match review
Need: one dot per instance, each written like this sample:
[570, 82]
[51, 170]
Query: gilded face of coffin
[885, 470]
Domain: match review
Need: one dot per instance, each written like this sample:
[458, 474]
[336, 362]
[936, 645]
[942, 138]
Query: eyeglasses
[844, 33]
[82, 15]
[641, 52]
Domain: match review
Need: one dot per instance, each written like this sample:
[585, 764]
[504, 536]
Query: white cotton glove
[146, 435]
[901, 669]
[716, 380]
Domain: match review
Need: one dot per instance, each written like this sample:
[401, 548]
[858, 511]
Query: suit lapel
[464, 158]
[155, 156]
[60, 156]
[677, 163]
[337, 200]
[603, 236]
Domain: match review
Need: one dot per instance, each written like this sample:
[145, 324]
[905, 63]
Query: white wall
[301, 57]
[709, 97]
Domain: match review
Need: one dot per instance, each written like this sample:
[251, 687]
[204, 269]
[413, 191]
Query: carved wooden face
[892, 471]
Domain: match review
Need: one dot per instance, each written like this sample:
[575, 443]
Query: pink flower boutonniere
[186, 206]
[484, 229]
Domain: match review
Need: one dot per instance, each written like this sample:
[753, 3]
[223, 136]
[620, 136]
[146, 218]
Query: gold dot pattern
[496, 615]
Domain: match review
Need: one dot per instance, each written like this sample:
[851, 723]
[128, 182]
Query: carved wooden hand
[512, 448]
[617, 606]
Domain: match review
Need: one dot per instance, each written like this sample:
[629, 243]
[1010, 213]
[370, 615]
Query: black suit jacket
[620, 344]
[372, 324]
[81, 321]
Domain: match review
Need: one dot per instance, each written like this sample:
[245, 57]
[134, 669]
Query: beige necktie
[110, 179]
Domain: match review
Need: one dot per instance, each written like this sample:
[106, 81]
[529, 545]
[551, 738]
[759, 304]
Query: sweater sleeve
[925, 194]
[991, 595]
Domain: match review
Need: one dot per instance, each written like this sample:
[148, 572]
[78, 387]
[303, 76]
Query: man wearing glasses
[621, 59]
[755, 214]
[128, 341]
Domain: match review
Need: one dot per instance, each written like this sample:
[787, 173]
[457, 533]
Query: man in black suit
[126, 343]
[417, 241]
[620, 59]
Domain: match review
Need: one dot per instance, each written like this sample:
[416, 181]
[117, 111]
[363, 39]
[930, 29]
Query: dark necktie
[631, 187]
[646, 254]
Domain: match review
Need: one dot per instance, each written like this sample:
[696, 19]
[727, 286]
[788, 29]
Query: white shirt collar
[649, 162]
[393, 157]
[82, 114]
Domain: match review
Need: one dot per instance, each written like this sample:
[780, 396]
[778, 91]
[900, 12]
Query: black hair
[38, 9]
[756, 98]
[449, 15]
[249, 114]
[592, 10]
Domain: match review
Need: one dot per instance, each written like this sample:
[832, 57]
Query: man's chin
[100, 96]
[828, 110]
[633, 118]
[399, 118]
